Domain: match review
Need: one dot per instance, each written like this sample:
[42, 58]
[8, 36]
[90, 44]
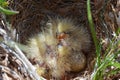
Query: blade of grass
[115, 64]
[91, 24]
[93, 32]
[8, 12]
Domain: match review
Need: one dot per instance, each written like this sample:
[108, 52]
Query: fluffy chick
[60, 47]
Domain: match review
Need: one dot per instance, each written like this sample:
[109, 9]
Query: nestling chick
[59, 47]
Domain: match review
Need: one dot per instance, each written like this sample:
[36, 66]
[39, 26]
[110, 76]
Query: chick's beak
[61, 36]
[61, 39]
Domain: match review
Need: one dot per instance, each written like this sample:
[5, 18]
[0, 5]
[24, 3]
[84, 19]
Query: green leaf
[8, 12]
[115, 64]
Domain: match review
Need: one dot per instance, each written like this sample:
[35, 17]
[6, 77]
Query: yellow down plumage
[60, 47]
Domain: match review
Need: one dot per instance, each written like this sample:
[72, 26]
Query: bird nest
[33, 15]
[13, 63]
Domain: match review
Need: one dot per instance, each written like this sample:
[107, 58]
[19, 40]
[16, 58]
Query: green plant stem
[91, 25]
[97, 46]
[7, 12]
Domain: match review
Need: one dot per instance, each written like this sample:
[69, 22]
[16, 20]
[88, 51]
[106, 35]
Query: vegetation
[108, 59]
[3, 6]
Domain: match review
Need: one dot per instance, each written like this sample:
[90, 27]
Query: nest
[33, 14]
[13, 63]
